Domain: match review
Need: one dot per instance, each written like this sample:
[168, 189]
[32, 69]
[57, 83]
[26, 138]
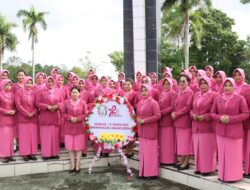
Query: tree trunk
[186, 40]
[33, 59]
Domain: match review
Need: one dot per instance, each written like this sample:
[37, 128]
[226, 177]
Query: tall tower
[141, 36]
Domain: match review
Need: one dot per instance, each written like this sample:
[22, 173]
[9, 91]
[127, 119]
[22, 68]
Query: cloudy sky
[78, 26]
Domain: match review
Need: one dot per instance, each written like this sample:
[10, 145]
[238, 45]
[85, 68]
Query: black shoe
[11, 159]
[6, 160]
[78, 171]
[55, 157]
[84, 155]
[197, 172]
[62, 145]
[71, 171]
[33, 158]
[184, 168]
[206, 174]
[177, 165]
[106, 155]
[130, 155]
[45, 158]
[26, 158]
[162, 164]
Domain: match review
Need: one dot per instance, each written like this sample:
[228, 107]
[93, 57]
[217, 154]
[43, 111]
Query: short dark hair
[75, 87]
[130, 80]
[187, 78]
[19, 71]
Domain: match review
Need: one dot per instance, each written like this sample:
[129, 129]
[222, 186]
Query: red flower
[134, 129]
[116, 146]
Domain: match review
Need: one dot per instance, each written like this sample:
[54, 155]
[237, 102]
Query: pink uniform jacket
[203, 108]
[45, 98]
[182, 108]
[166, 103]
[74, 109]
[25, 104]
[148, 110]
[237, 111]
[6, 104]
[245, 92]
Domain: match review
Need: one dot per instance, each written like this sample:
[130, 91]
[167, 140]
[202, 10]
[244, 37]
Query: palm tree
[30, 21]
[185, 7]
[8, 40]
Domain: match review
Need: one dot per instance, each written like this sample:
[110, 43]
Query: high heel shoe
[183, 168]
[71, 171]
[78, 171]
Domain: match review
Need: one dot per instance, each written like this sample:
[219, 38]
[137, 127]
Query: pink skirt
[75, 142]
[148, 157]
[27, 138]
[183, 141]
[49, 140]
[229, 158]
[6, 141]
[205, 152]
[167, 145]
[247, 151]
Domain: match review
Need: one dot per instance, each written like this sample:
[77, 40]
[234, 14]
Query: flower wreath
[110, 140]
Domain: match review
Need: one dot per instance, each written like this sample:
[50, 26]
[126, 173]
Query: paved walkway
[102, 178]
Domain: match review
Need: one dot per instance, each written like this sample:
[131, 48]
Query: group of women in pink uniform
[203, 113]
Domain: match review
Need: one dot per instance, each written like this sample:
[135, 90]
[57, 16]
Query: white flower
[121, 101]
[99, 98]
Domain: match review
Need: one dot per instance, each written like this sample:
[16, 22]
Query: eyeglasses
[182, 81]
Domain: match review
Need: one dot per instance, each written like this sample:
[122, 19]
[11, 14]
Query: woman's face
[29, 83]
[218, 78]
[193, 72]
[127, 86]
[81, 85]
[144, 91]
[203, 85]
[20, 76]
[8, 87]
[104, 82]
[183, 83]
[39, 79]
[237, 77]
[121, 77]
[60, 81]
[166, 85]
[75, 81]
[138, 76]
[228, 87]
[94, 79]
[153, 79]
[198, 76]
[50, 83]
[55, 72]
[75, 94]
[208, 72]
[112, 84]
[5, 75]
[144, 80]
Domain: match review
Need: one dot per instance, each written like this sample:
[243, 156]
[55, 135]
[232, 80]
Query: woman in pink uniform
[193, 84]
[27, 120]
[153, 78]
[88, 98]
[103, 88]
[4, 74]
[183, 123]
[229, 111]
[218, 84]
[54, 72]
[209, 72]
[239, 78]
[7, 121]
[121, 77]
[39, 81]
[74, 111]
[245, 92]
[138, 82]
[166, 124]
[63, 91]
[48, 101]
[204, 138]
[148, 114]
